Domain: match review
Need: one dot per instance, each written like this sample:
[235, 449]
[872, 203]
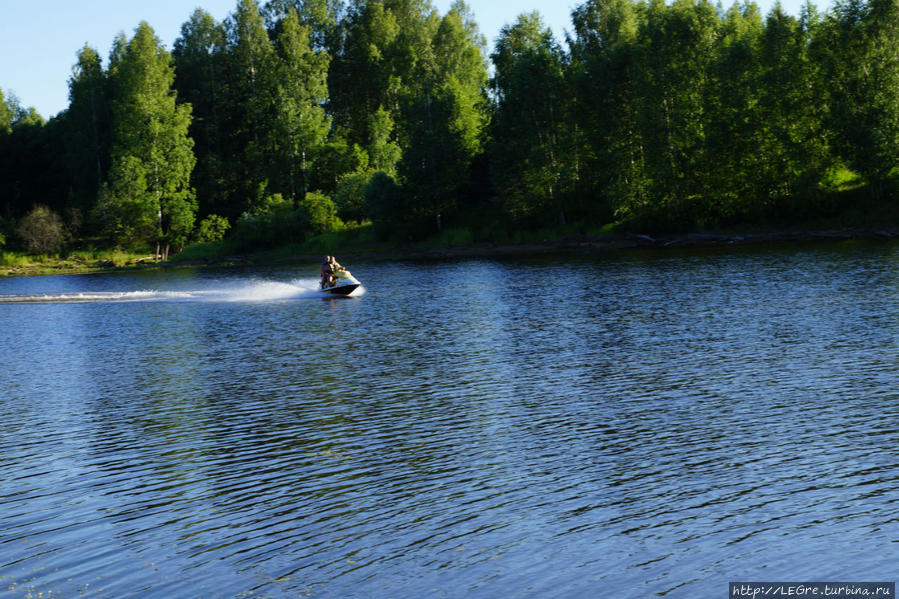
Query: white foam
[264, 291]
[96, 296]
[241, 291]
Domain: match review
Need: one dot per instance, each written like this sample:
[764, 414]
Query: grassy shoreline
[12, 265]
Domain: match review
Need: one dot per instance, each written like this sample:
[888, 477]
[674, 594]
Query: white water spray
[246, 291]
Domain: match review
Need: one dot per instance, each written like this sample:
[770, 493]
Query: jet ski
[343, 283]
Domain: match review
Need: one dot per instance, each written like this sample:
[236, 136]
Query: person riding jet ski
[330, 272]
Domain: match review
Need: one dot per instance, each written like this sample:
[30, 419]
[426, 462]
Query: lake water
[630, 424]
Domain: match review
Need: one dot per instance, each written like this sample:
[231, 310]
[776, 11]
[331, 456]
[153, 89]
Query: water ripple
[656, 425]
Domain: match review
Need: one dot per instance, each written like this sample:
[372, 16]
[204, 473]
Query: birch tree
[147, 197]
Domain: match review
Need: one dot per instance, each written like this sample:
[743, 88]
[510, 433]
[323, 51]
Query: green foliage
[840, 178]
[109, 257]
[350, 195]
[662, 115]
[249, 73]
[78, 261]
[212, 228]
[457, 236]
[386, 204]
[277, 222]
[857, 47]
[301, 125]
[125, 211]
[8, 108]
[443, 118]
[88, 129]
[383, 152]
[12, 260]
[368, 71]
[265, 226]
[675, 45]
[318, 214]
[199, 57]
[208, 250]
[792, 148]
[42, 231]
[529, 152]
[32, 169]
[695, 117]
[319, 16]
[147, 197]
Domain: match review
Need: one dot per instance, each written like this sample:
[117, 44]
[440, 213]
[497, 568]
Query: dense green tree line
[294, 117]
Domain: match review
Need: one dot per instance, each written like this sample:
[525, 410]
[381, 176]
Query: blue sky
[39, 42]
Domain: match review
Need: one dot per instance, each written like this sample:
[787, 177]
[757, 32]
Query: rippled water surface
[617, 425]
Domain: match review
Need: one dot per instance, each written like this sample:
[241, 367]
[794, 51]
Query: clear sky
[39, 41]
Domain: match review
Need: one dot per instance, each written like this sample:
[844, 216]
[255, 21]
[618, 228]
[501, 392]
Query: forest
[296, 119]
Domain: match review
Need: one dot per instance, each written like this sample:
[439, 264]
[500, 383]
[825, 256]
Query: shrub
[350, 195]
[42, 231]
[382, 197]
[13, 260]
[212, 228]
[457, 236]
[269, 224]
[275, 222]
[318, 214]
[387, 205]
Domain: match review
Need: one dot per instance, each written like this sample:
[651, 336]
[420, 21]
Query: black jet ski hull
[341, 289]
[344, 284]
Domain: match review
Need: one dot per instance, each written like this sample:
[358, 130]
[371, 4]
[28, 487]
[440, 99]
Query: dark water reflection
[632, 424]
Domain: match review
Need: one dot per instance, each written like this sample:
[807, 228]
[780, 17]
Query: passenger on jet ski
[325, 272]
[329, 268]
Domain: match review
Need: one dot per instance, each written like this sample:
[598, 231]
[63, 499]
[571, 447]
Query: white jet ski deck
[343, 284]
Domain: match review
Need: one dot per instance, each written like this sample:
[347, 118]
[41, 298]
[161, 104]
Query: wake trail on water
[238, 291]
